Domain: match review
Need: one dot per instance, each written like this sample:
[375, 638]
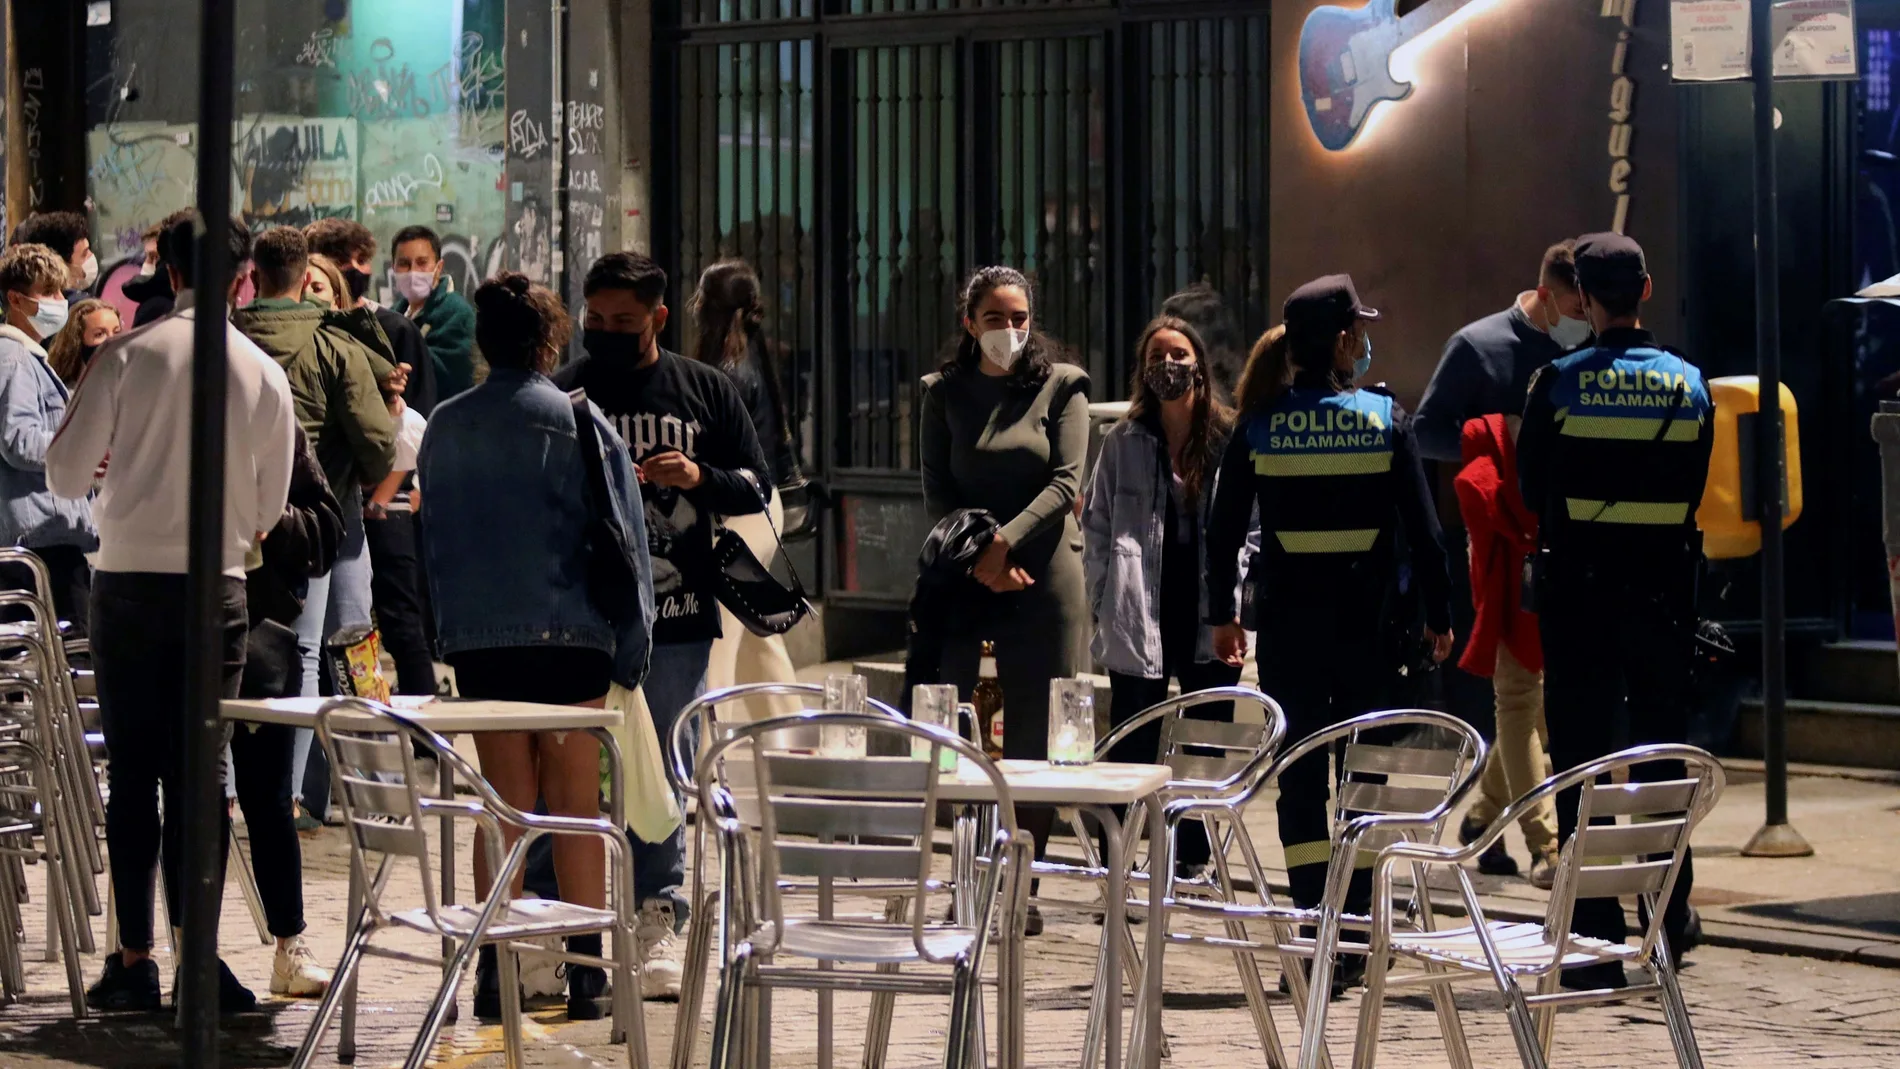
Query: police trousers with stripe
[1323, 657]
[1618, 671]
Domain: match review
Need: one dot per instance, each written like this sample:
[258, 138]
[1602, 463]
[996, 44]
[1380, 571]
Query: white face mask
[89, 271]
[49, 318]
[1569, 333]
[415, 286]
[1003, 348]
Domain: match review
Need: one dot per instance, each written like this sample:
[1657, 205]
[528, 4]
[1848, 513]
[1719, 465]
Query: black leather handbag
[803, 502]
[613, 578]
[746, 585]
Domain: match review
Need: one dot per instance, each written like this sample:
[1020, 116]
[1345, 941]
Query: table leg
[346, 1036]
[445, 790]
[1149, 1004]
[632, 1028]
[1114, 920]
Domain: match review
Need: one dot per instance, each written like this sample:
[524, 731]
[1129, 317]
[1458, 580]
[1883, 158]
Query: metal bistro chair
[1210, 759]
[694, 731]
[382, 796]
[1387, 786]
[1601, 860]
[24, 813]
[814, 813]
[40, 707]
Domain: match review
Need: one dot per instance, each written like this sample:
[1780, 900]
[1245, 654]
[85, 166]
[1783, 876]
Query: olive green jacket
[334, 361]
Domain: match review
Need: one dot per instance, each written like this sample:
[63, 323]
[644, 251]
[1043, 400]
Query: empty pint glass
[1071, 722]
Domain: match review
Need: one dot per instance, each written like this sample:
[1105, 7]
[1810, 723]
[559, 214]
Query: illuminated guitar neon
[1346, 62]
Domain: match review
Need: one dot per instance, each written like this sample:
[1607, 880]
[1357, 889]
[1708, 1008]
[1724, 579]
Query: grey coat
[1123, 526]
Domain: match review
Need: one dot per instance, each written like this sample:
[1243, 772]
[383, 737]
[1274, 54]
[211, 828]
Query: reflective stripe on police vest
[1686, 428]
[1355, 541]
[1295, 464]
[1653, 513]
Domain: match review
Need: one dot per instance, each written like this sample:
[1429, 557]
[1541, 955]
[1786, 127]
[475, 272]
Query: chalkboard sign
[878, 544]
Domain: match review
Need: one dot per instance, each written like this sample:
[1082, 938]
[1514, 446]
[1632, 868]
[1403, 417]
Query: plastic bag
[652, 811]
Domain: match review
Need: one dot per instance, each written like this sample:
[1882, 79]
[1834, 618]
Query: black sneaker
[487, 985]
[126, 989]
[589, 996]
[1497, 861]
[1689, 938]
[1348, 973]
[1592, 977]
[1032, 925]
[233, 997]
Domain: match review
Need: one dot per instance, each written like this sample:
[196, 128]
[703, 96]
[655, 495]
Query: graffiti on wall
[388, 88]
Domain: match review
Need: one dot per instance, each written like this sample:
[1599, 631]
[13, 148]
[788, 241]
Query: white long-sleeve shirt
[134, 404]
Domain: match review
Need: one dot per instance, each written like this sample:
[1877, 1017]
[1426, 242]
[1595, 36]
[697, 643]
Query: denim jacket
[1124, 524]
[504, 519]
[32, 406]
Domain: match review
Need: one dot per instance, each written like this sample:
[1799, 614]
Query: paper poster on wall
[1710, 40]
[1817, 39]
[292, 171]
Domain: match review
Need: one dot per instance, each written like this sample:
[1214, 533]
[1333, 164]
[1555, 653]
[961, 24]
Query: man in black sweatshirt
[698, 459]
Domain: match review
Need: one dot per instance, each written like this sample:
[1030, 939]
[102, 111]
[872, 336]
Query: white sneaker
[661, 969]
[543, 977]
[295, 972]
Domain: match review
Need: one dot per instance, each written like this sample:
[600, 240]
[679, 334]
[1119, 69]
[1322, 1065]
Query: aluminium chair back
[868, 819]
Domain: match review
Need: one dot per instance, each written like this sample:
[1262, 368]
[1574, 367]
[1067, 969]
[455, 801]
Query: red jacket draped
[1503, 533]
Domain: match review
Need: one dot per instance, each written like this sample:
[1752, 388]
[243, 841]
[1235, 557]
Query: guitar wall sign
[1346, 62]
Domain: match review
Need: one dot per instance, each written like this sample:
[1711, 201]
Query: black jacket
[303, 545]
[947, 602]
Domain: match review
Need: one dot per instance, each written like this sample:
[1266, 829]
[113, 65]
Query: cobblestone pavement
[1749, 1010]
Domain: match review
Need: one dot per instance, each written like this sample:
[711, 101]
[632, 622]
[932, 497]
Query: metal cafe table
[1096, 788]
[450, 717]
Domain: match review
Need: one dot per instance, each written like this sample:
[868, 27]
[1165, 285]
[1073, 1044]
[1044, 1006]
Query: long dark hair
[1277, 364]
[729, 315]
[1038, 356]
[1213, 421]
[519, 324]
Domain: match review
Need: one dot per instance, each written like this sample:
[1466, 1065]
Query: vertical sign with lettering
[531, 239]
[590, 188]
[1622, 110]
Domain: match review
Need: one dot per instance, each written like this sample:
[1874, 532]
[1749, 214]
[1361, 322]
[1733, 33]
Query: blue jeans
[333, 602]
[676, 677]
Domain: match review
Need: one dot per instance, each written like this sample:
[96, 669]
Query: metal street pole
[1777, 838]
[204, 672]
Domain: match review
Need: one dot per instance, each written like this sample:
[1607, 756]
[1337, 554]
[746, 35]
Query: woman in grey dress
[1005, 428]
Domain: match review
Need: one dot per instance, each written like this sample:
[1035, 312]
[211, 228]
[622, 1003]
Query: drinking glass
[1071, 722]
[934, 704]
[843, 694]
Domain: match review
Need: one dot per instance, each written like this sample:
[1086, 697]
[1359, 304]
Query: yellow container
[1725, 534]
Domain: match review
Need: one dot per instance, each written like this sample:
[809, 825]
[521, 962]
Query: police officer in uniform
[1613, 455]
[1335, 472]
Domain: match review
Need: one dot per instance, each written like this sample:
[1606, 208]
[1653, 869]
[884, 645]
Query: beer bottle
[988, 698]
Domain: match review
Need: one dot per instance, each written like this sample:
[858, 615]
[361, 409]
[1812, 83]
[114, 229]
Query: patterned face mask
[1170, 380]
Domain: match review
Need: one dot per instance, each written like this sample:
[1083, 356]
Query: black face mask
[1170, 380]
[357, 281]
[145, 289]
[610, 348]
[85, 354]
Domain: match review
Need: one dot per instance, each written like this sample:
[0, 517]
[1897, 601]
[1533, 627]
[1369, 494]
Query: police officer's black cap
[1610, 264]
[1325, 307]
